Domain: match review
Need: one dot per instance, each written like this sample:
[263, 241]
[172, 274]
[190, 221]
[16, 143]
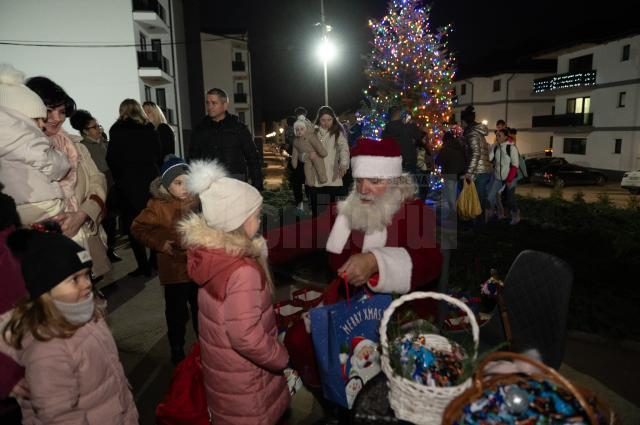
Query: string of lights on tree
[410, 66]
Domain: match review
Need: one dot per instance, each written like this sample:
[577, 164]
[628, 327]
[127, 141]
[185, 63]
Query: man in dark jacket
[222, 136]
[407, 135]
[451, 159]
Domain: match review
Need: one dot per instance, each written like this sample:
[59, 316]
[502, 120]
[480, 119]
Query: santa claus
[381, 235]
[365, 360]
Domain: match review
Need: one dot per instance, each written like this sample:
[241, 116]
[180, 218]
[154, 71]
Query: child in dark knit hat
[59, 335]
[155, 227]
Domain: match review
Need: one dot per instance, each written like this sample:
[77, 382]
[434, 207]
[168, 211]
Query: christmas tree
[410, 66]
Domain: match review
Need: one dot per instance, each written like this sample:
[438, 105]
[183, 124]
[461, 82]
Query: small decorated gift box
[287, 313]
[306, 298]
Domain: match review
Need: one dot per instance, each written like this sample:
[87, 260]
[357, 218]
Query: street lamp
[326, 50]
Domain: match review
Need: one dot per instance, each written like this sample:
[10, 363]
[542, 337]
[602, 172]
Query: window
[147, 94]
[496, 85]
[579, 105]
[238, 56]
[618, 146]
[581, 64]
[241, 116]
[463, 89]
[161, 99]
[622, 97]
[239, 88]
[143, 42]
[156, 45]
[575, 146]
[626, 49]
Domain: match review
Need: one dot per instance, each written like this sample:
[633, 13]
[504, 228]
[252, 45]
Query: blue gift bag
[346, 342]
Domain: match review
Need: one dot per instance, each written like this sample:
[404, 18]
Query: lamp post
[325, 51]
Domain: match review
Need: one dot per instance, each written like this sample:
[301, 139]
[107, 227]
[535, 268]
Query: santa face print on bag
[365, 365]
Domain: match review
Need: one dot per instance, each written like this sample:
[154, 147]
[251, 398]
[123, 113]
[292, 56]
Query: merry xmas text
[366, 314]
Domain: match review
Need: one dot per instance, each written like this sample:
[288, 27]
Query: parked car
[537, 164]
[631, 181]
[567, 174]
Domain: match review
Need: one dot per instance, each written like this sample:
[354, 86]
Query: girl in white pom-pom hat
[242, 359]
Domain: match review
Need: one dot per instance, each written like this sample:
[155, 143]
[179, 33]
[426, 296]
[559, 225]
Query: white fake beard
[368, 368]
[371, 216]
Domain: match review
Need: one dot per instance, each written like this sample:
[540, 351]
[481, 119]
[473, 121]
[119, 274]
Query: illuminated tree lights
[409, 65]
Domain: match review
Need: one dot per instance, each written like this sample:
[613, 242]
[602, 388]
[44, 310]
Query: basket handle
[475, 330]
[546, 370]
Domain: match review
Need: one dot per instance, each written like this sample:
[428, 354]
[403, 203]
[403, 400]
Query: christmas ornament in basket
[421, 395]
[539, 396]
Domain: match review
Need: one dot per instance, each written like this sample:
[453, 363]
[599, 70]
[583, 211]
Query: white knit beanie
[15, 95]
[226, 202]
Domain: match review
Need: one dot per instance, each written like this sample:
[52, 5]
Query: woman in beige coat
[84, 187]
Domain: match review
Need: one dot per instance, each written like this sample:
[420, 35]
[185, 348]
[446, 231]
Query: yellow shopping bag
[468, 203]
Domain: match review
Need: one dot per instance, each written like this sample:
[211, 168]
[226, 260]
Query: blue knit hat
[173, 167]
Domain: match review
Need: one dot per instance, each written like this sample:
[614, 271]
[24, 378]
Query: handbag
[185, 403]
[346, 343]
[468, 203]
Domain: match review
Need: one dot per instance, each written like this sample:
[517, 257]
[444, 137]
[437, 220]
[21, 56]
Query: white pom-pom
[202, 174]
[10, 75]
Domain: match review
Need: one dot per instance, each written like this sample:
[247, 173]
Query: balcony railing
[240, 97]
[238, 66]
[565, 81]
[153, 59]
[566, 120]
[149, 6]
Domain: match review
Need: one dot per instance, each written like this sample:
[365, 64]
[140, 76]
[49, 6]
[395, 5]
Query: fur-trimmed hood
[158, 191]
[212, 251]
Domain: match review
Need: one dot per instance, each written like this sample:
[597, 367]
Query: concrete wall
[97, 78]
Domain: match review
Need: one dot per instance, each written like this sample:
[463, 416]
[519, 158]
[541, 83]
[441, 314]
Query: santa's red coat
[408, 258]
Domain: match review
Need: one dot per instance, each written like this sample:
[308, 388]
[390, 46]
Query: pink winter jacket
[78, 380]
[242, 359]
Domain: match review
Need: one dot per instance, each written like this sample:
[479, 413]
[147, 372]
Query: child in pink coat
[58, 333]
[242, 359]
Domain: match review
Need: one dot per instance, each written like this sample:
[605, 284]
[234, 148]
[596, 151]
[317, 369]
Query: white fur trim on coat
[395, 268]
[364, 166]
[340, 232]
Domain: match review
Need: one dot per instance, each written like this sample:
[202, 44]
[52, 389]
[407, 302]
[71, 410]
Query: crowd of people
[64, 196]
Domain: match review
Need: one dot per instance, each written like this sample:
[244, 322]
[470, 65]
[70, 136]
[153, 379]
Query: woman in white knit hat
[30, 167]
[242, 359]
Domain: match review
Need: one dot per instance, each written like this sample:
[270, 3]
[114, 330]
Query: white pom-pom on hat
[15, 95]
[10, 75]
[202, 174]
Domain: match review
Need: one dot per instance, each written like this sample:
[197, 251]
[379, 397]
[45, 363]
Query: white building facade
[508, 97]
[596, 116]
[102, 52]
[226, 64]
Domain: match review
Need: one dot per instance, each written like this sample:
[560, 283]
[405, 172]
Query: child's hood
[213, 251]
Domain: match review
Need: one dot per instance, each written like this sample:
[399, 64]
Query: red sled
[306, 298]
[186, 402]
[286, 313]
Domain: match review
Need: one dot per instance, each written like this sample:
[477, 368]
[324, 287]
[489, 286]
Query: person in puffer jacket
[59, 335]
[242, 359]
[30, 167]
[479, 167]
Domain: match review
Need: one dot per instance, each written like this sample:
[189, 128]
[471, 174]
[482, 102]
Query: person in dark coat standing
[451, 160]
[159, 121]
[222, 136]
[407, 135]
[133, 156]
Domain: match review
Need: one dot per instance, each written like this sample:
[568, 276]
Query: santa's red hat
[376, 159]
[359, 342]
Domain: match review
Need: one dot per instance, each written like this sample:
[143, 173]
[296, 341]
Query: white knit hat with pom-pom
[226, 202]
[15, 95]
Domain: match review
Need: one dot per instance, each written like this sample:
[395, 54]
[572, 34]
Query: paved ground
[618, 196]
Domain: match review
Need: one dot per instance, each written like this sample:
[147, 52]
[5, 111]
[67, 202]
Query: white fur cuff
[395, 268]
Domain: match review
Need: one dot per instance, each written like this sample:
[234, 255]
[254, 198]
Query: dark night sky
[286, 72]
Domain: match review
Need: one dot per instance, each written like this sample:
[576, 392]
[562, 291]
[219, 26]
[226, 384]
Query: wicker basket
[410, 400]
[482, 381]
